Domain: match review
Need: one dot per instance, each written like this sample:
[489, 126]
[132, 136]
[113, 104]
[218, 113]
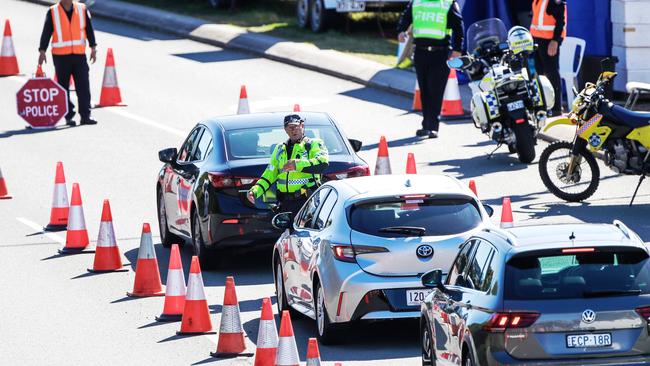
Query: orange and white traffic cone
[243, 107]
[287, 354]
[4, 193]
[107, 254]
[296, 107]
[60, 205]
[267, 336]
[417, 98]
[147, 275]
[383, 162]
[231, 334]
[76, 239]
[452, 104]
[313, 355]
[410, 164]
[506, 214]
[196, 316]
[110, 95]
[8, 60]
[175, 290]
[472, 186]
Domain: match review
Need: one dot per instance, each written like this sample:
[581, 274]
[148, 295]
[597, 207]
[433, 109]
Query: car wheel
[302, 13]
[468, 361]
[283, 304]
[166, 237]
[206, 256]
[328, 332]
[319, 17]
[219, 3]
[427, 346]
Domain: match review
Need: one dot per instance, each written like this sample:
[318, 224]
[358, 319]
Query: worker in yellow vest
[68, 24]
[548, 28]
[438, 36]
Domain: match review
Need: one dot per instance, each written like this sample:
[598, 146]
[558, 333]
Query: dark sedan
[201, 189]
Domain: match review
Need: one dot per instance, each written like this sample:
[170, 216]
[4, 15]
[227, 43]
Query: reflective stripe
[60, 197]
[57, 25]
[267, 336]
[69, 43]
[7, 47]
[430, 32]
[175, 285]
[540, 16]
[287, 352]
[313, 362]
[230, 321]
[76, 220]
[110, 77]
[59, 43]
[301, 181]
[146, 250]
[195, 287]
[543, 27]
[106, 237]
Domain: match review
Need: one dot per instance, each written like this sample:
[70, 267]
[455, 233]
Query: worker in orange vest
[548, 28]
[69, 25]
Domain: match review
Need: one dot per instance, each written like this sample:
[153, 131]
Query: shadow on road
[373, 96]
[408, 141]
[215, 56]
[125, 30]
[478, 166]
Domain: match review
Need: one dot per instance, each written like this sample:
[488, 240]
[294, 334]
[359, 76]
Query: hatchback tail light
[356, 171]
[222, 180]
[502, 321]
[346, 253]
[644, 312]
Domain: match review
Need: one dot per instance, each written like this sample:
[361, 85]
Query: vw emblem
[424, 251]
[588, 316]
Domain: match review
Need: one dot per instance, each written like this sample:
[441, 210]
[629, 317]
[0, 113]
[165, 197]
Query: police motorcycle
[510, 100]
[569, 169]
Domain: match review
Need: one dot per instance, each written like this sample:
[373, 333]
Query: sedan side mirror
[356, 145]
[167, 155]
[432, 279]
[489, 209]
[282, 221]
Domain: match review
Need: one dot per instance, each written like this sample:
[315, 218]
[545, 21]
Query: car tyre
[328, 332]
[525, 143]
[468, 361]
[166, 237]
[320, 18]
[207, 257]
[428, 358]
[302, 12]
[281, 295]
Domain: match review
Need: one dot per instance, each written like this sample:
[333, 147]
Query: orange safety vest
[543, 25]
[69, 36]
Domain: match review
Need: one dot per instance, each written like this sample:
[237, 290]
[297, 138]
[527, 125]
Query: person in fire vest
[68, 24]
[548, 28]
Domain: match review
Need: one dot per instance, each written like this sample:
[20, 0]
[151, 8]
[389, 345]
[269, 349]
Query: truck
[320, 14]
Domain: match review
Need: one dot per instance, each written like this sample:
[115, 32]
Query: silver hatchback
[358, 246]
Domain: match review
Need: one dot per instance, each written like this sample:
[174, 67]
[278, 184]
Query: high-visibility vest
[308, 152]
[543, 25]
[430, 18]
[69, 36]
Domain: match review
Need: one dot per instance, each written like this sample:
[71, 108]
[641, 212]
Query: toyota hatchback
[574, 294]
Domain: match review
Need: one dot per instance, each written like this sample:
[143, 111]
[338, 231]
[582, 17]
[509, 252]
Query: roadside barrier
[196, 316]
[147, 275]
[107, 253]
[60, 205]
[4, 193]
[231, 341]
[410, 164]
[383, 162]
[506, 214]
[452, 104]
[417, 98]
[243, 107]
[175, 290]
[76, 239]
[8, 60]
[110, 95]
[267, 336]
[313, 355]
[472, 186]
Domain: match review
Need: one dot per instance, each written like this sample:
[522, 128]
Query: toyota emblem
[588, 316]
[424, 251]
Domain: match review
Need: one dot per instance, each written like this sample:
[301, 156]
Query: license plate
[344, 6]
[415, 297]
[589, 340]
[513, 106]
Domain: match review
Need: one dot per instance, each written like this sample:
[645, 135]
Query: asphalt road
[54, 313]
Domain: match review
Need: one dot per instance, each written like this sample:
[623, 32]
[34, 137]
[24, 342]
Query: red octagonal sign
[42, 102]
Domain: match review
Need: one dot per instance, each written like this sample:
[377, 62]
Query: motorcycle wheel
[553, 166]
[525, 143]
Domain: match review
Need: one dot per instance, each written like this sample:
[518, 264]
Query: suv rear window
[604, 272]
[436, 216]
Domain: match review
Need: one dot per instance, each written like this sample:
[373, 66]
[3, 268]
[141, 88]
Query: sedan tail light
[347, 253]
[356, 171]
[502, 321]
[644, 312]
[222, 180]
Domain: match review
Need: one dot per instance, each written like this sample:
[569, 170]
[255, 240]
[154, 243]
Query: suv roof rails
[626, 231]
[504, 234]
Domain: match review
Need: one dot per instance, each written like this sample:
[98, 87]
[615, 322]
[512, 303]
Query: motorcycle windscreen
[489, 31]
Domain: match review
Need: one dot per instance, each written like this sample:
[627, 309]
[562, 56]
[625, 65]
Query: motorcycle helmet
[520, 40]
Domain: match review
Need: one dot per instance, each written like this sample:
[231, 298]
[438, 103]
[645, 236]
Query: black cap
[293, 119]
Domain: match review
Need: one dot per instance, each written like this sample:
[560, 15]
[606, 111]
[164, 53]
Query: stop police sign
[42, 102]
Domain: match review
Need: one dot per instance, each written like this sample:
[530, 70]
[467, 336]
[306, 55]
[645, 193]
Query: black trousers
[77, 66]
[550, 66]
[432, 73]
[292, 206]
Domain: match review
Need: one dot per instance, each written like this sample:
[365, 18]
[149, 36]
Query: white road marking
[39, 228]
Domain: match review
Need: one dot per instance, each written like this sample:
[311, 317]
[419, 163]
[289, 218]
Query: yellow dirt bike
[569, 170]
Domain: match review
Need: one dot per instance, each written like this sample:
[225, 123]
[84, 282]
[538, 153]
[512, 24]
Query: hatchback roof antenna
[572, 237]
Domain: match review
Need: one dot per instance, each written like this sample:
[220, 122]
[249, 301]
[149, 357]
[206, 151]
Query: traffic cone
[76, 239]
[313, 356]
[383, 162]
[417, 98]
[107, 254]
[287, 354]
[231, 334]
[8, 60]
[110, 95]
[243, 107]
[506, 214]
[410, 164]
[175, 290]
[4, 193]
[147, 276]
[267, 336]
[452, 104]
[296, 107]
[196, 316]
[472, 186]
[60, 205]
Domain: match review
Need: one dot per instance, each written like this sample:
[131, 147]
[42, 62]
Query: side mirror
[460, 63]
[282, 221]
[167, 155]
[432, 279]
[489, 209]
[356, 145]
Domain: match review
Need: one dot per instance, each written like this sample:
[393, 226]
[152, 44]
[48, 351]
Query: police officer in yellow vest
[295, 167]
[69, 25]
[438, 36]
[548, 28]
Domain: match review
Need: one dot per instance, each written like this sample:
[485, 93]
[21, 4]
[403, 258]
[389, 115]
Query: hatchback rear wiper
[415, 230]
[610, 293]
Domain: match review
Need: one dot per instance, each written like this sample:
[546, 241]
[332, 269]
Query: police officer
[437, 29]
[69, 25]
[295, 167]
[548, 28]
